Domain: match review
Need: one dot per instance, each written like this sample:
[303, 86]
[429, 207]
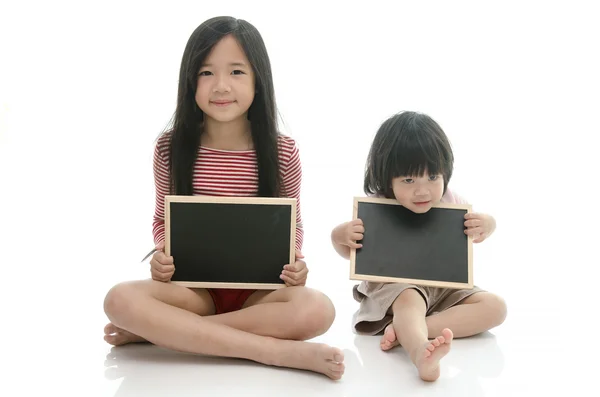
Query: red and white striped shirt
[227, 173]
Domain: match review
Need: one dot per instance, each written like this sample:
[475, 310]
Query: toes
[387, 343]
[386, 348]
[388, 340]
[336, 371]
[339, 373]
[112, 339]
[436, 342]
[336, 367]
[447, 334]
[116, 339]
[110, 329]
[430, 347]
[389, 334]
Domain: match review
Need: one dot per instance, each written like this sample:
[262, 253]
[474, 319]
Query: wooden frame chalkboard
[400, 246]
[230, 242]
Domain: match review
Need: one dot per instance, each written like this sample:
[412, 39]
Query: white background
[86, 87]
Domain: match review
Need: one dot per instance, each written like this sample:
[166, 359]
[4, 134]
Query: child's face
[418, 194]
[225, 87]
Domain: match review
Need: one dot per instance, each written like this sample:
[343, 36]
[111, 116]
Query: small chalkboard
[400, 246]
[230, 242]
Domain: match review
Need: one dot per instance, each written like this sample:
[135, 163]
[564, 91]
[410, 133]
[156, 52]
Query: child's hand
[349, 233]
[295, 274]
[480, 226]
[161, 265]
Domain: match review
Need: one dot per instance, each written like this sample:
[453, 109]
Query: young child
[224, 142]
[411, 161]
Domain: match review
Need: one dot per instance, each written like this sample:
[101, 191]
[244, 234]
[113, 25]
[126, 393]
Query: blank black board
[401, 246]
[230, 242]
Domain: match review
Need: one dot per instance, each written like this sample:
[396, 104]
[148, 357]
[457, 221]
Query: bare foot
[316, 357]
[389, 340]
[427, 357]
[117, 336]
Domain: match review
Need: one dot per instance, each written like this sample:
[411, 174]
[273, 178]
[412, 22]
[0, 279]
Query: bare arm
[341, 249]
[344, 237]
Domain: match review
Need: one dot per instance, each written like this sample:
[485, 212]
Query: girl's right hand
[161, 265]
[350, 233]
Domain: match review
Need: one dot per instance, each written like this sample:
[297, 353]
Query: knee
[118, 301]
[315, 314]
[409, 299]
[496, 308]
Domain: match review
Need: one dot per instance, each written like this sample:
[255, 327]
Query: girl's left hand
[480, 226]
[295, 274]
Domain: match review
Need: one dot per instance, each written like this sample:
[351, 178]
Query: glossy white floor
[84, 91]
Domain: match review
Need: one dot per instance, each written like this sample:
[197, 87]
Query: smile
[422, 202]
[222, 103]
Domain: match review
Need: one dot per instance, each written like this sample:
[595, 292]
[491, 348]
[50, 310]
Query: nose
[222, 84]
[421, 191]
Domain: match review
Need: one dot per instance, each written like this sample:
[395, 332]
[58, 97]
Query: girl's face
[225, 87]
[418, 194]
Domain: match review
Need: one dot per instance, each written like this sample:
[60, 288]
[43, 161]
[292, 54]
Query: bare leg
[410, 327]
[196, 301]
[135, 307]
[297, 313]
[477, 313]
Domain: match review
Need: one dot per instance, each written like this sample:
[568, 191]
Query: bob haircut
[408, 144]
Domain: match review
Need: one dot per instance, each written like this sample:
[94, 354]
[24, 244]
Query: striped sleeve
[161, 184]
[292, 180]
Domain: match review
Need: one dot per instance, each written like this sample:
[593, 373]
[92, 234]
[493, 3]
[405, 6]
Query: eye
[205, 73]
[237, 71]
[408, 180]
[433, 177]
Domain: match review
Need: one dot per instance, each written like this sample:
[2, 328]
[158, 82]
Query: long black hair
[407, 144]
[187, 121]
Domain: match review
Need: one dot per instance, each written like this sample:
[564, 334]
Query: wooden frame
[231, 200]
[443, 284]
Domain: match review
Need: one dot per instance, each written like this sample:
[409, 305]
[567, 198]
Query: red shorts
[229, 300]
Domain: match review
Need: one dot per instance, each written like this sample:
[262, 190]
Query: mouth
[222, 103]
[421, 203]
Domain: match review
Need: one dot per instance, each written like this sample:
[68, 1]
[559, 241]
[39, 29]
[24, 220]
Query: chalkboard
[400, 246]
[230, 242]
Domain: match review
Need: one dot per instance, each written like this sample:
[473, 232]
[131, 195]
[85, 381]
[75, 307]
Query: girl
[411, 161]
[224, 141]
